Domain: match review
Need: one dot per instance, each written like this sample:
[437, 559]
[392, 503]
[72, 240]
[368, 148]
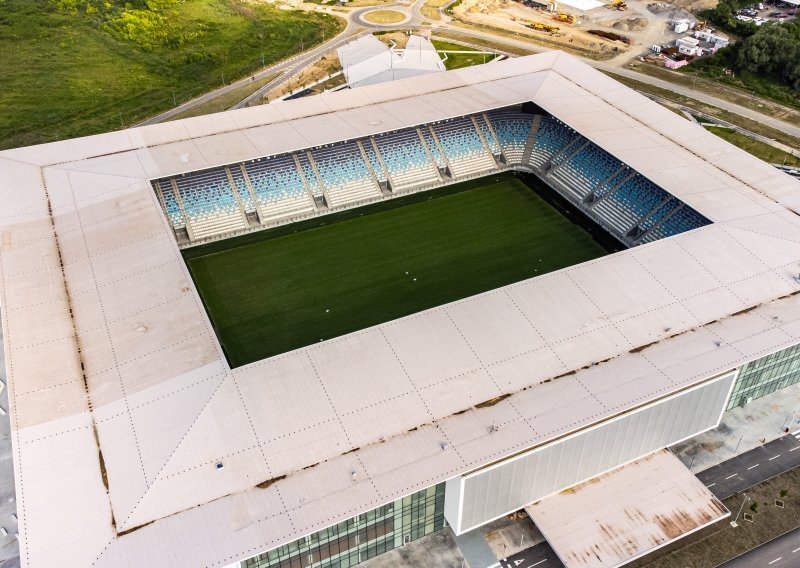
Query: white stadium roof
[122, 402]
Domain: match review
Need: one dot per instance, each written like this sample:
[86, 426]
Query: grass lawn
[385, 17]
[68, 73]
[755, 147]
[459, 60]
[333, 276]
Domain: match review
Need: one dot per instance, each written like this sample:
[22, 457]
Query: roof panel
[151, 346]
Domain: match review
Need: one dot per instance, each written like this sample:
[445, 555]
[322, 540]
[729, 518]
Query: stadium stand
[377, 165]
[513, 129]
[170, 205]
[587, 169]
[310, 174]
[242, 189]
[278, 187]
[281, 188]
[210, 203]
[488, 134]
[406, 158]
[433, 148]
[551, 137]
[345, 174]
[465, 150]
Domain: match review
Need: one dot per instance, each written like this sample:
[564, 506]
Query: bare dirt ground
[514, 17]
[398, 39]
[645, 23]
[326, 65]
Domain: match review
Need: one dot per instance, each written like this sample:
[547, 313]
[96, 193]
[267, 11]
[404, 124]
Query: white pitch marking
[774, 457]
[774, 561]
[730, 476]
[752, 466]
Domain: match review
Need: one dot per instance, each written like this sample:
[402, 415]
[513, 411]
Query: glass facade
[360, 538]
[766, 375]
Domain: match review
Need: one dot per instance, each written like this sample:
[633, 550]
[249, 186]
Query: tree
[774, 49]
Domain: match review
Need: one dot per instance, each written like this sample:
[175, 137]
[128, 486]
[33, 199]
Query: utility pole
[174, 100]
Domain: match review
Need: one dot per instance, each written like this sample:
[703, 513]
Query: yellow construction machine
[541, 27]
[620, 5]
[564, 17]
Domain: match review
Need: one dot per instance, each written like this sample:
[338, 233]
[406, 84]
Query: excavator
[541, 27]
[620, 5]
[564, 17]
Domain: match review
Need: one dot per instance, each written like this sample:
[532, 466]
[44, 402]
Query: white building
[368, 61]
[689, 46]
[136, 444]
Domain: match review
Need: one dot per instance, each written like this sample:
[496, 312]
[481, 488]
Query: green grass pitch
[285, 290]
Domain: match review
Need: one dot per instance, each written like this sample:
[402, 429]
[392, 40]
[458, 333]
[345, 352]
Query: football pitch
[279, 290]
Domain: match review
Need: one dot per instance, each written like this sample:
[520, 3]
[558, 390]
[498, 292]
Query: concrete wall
[479, 497]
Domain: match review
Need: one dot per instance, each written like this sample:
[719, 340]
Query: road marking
[712, 485]
[774, 561]
[796, 549]
[730, 476]
[795, 448]
[752, 466]
[540, 561]
[774, 457]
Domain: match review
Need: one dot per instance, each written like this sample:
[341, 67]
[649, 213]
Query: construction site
[603, 30]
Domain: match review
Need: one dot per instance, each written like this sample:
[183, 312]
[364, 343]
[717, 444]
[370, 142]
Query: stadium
[306, 333]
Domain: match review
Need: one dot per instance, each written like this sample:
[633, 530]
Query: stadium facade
[135, 443]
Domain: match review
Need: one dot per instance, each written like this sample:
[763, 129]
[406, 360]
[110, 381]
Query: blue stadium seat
[462, 144]
[513, 129]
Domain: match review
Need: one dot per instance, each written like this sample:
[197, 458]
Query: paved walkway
[437, 550]
[742, 429]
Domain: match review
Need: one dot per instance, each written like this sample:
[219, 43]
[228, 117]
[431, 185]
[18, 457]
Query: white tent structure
[368, 61]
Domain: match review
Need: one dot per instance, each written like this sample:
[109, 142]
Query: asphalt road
[747, 469]
[541, 556]
[357, 26]
[782, 552]
[287, 68]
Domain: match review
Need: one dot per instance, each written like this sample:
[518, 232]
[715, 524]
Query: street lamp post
[733, 522]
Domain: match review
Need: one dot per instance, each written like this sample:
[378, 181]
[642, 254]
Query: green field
[76, 67]
[378, 263]
[459, 60]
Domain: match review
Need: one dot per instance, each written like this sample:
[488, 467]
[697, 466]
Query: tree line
[772, 49]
